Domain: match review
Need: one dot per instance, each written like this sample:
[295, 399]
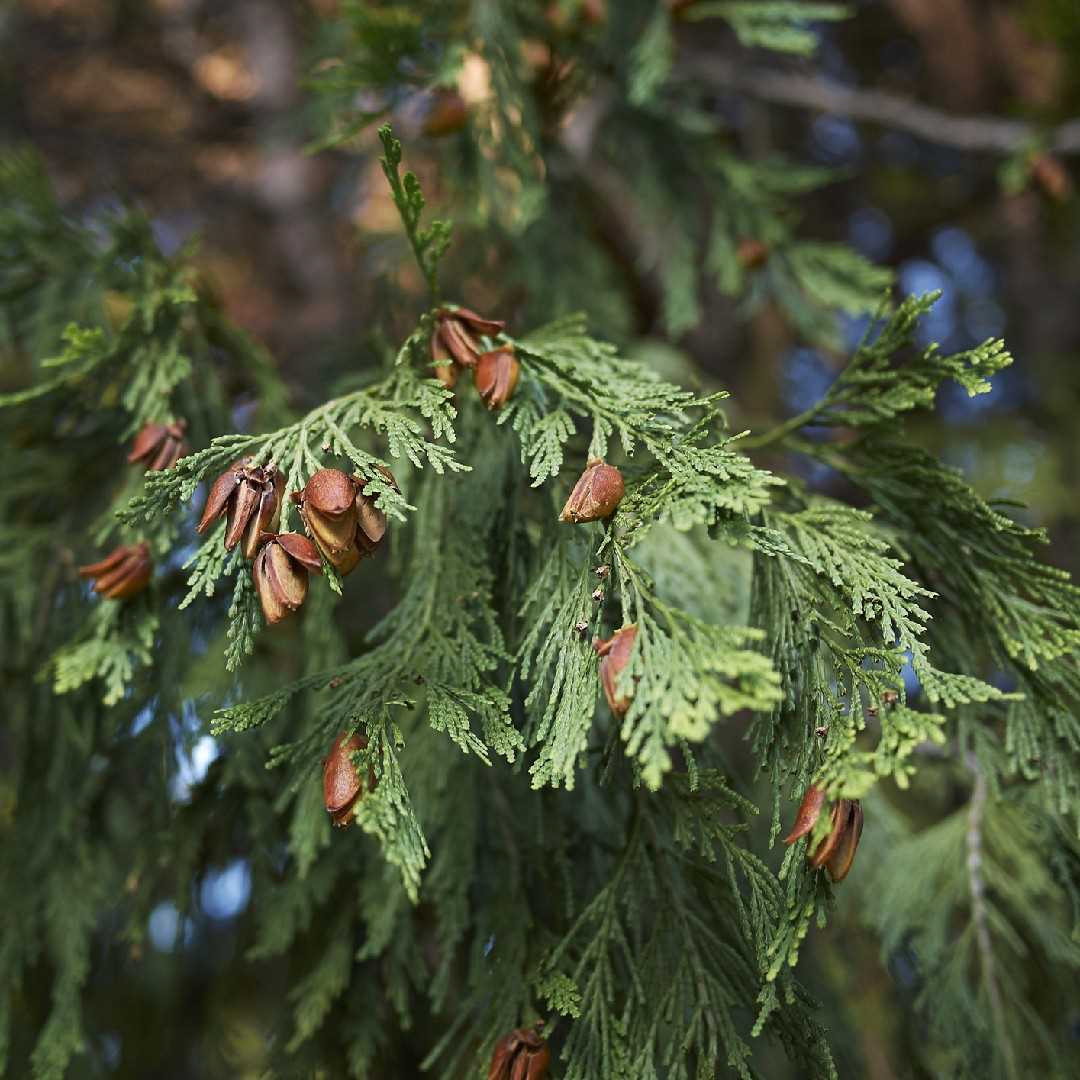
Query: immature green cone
[496, 376]
[342, 786]
[521, 1055]
[837, 851]
[281, 571]
[123, 573]
[597, 493]
[159, 446]
[614, 656]
[250, 498]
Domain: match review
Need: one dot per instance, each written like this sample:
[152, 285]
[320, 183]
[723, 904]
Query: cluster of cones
[460, 343]
[343, 524]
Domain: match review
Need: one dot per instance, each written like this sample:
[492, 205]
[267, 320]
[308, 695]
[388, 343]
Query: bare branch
[988, 134]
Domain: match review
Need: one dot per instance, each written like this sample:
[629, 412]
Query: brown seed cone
[242, 505]
[301, 549]
[342, 786]
[123, 573]
[521, 1055]
[614, 655]
[281, 571]
[370, 520]
[839, 862]
[448, 114]
[250, 498]
[348, 560]
[443, 365]
[752, 254]
[147, 442]
[172, 450]
[335, 536]
[330, 492]
[838, 821]
[458, 328]
[837, 851]
[476, 323]
[328, 507]
[496, 376]
[220, 494]
[597, 493]
[108, 564]
[264, 518]
[459, 343]
[159, 446]
[1052, 176]
[809, 811]
[370, 524]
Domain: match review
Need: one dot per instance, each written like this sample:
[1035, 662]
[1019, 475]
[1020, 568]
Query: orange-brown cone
[597, 493]
[342, 786]
[614, 655]
[280, 572]
[496, 376]
[521, 1055]
[123, 573]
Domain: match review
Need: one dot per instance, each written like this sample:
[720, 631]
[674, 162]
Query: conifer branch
[974, 134]
[430, 244]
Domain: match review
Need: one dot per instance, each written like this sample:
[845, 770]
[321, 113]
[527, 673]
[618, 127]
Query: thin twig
[780, 431]
[990, 134]
[979, 914]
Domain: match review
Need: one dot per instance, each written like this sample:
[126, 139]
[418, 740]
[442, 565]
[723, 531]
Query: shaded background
[196, 111]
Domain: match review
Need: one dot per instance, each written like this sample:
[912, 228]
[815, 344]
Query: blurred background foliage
[204, 113]
[201, 113]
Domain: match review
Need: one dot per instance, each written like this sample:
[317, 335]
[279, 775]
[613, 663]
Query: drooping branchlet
[250, 498]
[125, 571]
[342, 786]
[837, 851]
[496, 376]
[521, 1055]
[596, 494]
[159, 446]
[614, 655]
[281, 573]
